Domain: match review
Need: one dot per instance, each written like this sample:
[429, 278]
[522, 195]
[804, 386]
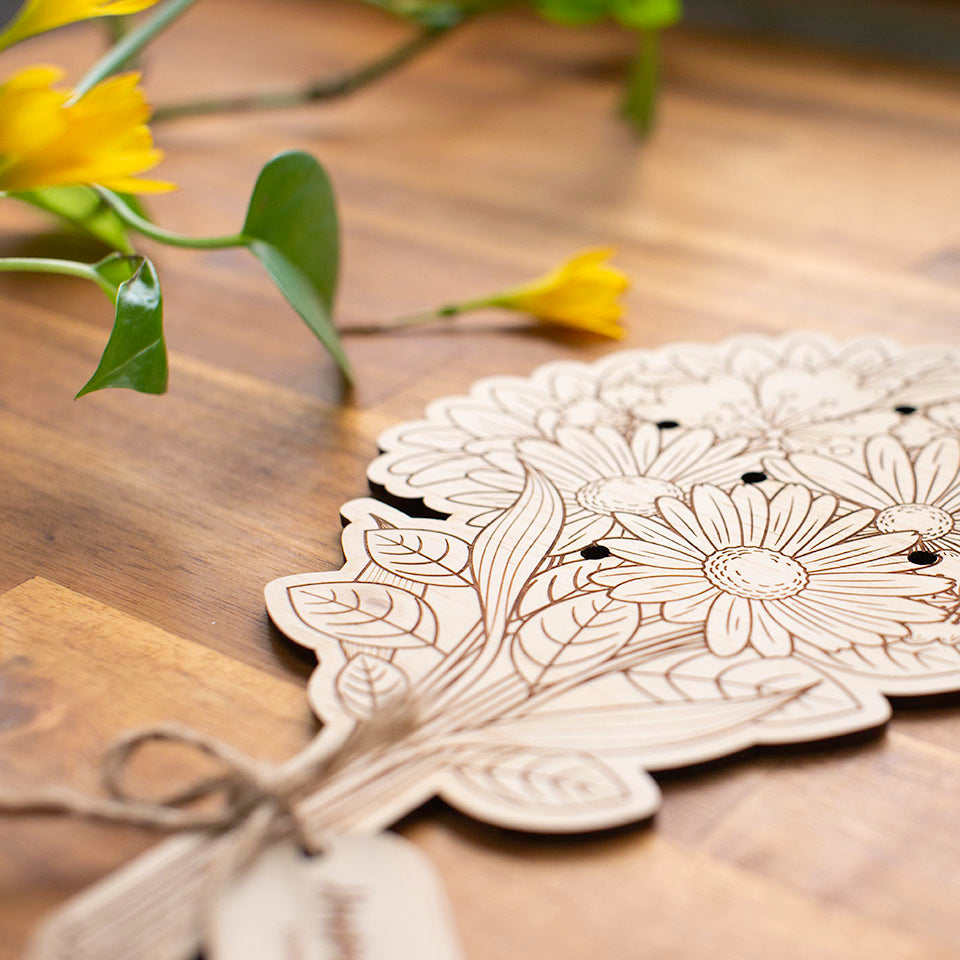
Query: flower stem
[132, 219]
[67, 268]
[327, 89]
[640, 104]
[130, 45]
[403, 323]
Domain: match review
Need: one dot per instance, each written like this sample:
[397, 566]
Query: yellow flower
[102, 138]
[38, 16]
[584, 292]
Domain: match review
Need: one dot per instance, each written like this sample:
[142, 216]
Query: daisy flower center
[755, 573]
[626, 494]
[924, 519]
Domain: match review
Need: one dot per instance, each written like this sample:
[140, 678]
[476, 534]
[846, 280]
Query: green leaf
[83, 207]
[135, 356]
[117, 269]
[292, 229]
[295, 286]
[646, 14]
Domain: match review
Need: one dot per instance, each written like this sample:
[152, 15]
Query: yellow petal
[38, 16]
[30, 114]
[34, 78]
[102, 138]
[136, 185]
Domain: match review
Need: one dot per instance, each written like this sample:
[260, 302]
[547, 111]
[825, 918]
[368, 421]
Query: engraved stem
[365, 793]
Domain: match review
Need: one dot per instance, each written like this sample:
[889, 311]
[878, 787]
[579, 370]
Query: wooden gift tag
[363, 898]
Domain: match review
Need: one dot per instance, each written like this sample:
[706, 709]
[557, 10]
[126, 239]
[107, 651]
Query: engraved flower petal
[600, 472]
[644, 588]
[759, 571]
[890, 467]
[921, 496]
[937, 466]
[728, 624]
[717, 516]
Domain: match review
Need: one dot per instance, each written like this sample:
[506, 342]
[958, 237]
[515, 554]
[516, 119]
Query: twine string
[249, 790]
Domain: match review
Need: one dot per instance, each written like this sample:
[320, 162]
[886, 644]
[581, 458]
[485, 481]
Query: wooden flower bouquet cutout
[652, 561]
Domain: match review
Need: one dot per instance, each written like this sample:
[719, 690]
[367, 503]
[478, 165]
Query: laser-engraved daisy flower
[801, 392]
[807, 395]
[600, 473]
[922, 496]
[762, 572]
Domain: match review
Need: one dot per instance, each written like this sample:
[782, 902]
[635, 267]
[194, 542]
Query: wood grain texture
[783, 188]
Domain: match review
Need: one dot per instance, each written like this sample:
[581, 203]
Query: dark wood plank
[74, 675]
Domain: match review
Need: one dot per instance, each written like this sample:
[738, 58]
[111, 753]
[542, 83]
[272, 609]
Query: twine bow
[259, 799]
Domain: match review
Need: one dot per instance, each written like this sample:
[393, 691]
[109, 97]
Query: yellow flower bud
[584, 292]
[102, 138]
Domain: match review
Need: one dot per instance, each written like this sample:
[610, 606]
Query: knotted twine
[259, 799]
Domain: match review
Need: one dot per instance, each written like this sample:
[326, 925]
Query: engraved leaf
[366, 683]
[560, 780]
[641, 726]
[569, 636]
[424, 556]
[375, 614]
[561, 582]
[507, 551]
[811, 694]
[898, 666]
[692, 706]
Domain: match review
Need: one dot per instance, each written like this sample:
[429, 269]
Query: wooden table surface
[784, 188]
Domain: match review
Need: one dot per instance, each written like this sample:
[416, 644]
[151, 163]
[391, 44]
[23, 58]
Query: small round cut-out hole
[923, 558]
[754, 476]
[905, 408]
[667, 424]
[594, 552]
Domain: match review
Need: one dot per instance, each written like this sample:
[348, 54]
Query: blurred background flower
[38, 16]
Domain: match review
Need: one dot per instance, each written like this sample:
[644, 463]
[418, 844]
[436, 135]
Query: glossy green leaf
[84, 208]
[135, 357]
[292, 229]
[300, 294]
[117, 269]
